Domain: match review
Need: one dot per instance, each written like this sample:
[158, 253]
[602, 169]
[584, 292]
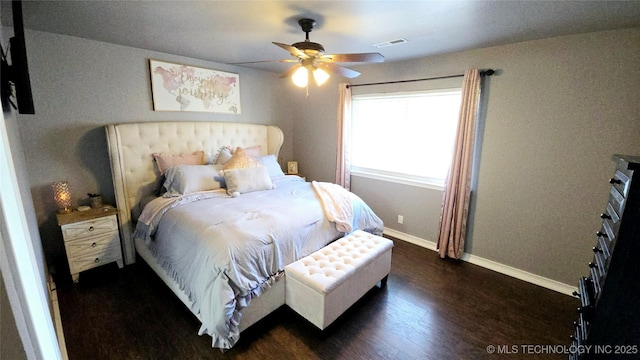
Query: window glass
[406, 135]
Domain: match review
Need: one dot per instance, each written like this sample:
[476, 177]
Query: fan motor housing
[309, 47]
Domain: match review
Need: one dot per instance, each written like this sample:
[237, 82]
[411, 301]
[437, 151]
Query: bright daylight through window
[405, 137]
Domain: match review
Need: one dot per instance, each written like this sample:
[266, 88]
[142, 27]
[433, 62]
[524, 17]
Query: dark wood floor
[430, 309]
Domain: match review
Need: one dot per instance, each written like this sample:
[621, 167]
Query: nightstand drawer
[89, 261]
[89, 228]
[96, 245]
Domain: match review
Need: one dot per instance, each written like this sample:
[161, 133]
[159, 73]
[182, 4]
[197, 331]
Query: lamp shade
[320, 76]
[62, 196]
[300, 77]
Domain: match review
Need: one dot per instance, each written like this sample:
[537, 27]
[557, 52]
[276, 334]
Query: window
[405, 137]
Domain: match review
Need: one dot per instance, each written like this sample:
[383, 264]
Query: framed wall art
[292, 167]
[176, 87]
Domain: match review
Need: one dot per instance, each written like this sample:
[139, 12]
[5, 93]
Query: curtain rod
[487, 72]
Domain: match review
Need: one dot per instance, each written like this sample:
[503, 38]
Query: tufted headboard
[132, 166]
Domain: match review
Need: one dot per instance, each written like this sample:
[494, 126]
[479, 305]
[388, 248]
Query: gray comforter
[223, 251]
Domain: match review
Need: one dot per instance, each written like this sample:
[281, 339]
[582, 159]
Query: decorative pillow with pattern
[241, 160]
[225, 153]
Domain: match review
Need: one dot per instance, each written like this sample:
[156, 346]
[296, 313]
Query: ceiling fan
[311, 59]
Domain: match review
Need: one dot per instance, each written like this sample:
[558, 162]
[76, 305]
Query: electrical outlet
[400, 219]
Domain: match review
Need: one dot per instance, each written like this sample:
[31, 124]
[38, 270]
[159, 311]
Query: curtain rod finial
[487, 72]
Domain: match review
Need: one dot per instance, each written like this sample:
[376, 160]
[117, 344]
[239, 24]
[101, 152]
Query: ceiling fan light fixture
[301, 77]
[320, 76]
[312, 60]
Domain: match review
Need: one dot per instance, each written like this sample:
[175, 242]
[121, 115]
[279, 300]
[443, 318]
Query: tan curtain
[455, 203]
[343, 173]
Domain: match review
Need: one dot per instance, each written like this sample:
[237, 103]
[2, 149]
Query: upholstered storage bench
[323, 285]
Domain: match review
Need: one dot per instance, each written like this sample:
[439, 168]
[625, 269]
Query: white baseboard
[490, 264]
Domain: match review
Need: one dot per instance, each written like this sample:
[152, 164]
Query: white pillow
[187, 179]
[244, 180]
[271, 163]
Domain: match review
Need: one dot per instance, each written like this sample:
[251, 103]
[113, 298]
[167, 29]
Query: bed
[222, 250]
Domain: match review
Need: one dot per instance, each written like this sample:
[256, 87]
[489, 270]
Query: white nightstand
[91, 239]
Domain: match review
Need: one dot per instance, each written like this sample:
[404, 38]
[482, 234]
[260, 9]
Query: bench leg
[382, 283]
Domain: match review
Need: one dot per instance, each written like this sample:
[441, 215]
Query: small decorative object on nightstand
[91, 239]
[292, 168]
[95, 200]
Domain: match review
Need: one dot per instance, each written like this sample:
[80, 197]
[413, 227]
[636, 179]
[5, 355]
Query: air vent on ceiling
[390, 42]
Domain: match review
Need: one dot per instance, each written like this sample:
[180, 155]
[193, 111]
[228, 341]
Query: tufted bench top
[332, 265]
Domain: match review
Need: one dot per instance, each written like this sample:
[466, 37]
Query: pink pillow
[165, 161]
[253, 151]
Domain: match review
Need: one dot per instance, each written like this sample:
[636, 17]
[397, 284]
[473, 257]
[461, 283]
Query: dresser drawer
[603, 246]
[88, 261]
[594, 277]
[616, 200]
[610, 214]
[621, 181]
[95, 245]
[89, 228]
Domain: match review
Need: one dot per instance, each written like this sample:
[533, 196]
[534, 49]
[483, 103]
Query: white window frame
[402, 178]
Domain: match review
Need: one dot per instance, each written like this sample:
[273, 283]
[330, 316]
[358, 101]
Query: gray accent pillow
[187, 179]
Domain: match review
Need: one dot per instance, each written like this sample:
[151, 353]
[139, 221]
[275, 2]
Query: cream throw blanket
[336, 203]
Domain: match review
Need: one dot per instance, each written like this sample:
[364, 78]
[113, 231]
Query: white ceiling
[241, 31]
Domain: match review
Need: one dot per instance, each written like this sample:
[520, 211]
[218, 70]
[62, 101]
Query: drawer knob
[596, 249]
[97, 260]
[605, 216]
[615, 181]
[600, 233]
[91, 228]
[94, 245]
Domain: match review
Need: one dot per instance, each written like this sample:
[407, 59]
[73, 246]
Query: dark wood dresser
[608, 324]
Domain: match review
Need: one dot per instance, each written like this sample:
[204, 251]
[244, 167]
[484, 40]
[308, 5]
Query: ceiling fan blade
[360, 57]
[290, 72]
[292, 50]
[264, 61]
[348, 73]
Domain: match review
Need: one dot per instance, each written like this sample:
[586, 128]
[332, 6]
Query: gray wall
[553, 116]
[79, 86]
